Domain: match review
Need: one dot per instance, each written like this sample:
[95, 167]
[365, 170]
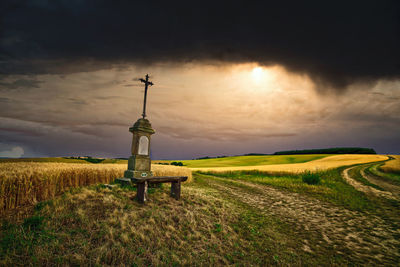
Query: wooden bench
[143, 182]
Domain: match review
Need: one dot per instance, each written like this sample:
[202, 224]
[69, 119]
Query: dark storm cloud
[218, 135]
[21, 83]
[336, 42]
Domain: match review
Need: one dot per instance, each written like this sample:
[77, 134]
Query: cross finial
[146, 84]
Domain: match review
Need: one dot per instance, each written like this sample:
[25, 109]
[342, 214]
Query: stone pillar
[139, 163]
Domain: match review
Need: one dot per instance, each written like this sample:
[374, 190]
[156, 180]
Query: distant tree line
[88, 159]
[256, 154]
[175, 163]
[207, 157]
[336, 150]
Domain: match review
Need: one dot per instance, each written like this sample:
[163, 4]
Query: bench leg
[141, 194]
[176, 189]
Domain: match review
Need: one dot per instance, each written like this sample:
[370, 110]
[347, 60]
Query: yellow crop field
[315, 165]
[30, 182]
[170, 170]
[392, 165]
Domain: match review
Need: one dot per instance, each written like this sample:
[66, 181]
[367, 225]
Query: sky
[230, 77]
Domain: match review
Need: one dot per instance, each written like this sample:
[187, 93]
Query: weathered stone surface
[110, 186]
[124, 181]
[137, 174]
[139, 163]
[142, 125]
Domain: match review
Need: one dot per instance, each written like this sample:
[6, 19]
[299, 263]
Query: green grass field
[248, 160]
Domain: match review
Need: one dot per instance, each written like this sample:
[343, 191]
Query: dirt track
[364, 238]
[365, 188]
[393, 189]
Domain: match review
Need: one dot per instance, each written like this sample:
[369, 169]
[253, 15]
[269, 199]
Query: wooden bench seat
[143, 182]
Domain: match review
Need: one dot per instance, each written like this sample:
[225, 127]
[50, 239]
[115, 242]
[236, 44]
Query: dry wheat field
[322, 164]
[392, 165]
[31, 182]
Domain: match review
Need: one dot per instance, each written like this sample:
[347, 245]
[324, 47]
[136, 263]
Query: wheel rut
[393, 189]
[365, 188]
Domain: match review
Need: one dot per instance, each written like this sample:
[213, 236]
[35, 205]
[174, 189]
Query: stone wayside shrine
[139, 163]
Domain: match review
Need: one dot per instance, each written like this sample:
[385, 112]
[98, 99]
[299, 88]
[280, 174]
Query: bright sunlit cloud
[257, 74]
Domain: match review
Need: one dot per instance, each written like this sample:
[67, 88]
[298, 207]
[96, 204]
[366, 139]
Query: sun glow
[258, 75]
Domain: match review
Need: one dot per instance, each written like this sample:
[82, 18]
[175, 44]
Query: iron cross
[146, 84]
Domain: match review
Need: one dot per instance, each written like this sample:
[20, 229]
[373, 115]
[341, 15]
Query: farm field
[63, 160]
[392, 166]
[318, 164]
[243, 217]
[25, 183]
[248, 160]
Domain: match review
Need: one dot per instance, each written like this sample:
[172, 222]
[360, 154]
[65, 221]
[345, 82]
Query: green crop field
[249, 160]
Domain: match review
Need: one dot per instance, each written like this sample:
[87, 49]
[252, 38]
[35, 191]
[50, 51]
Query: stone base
[123, 181]
[137, 174]
[139, 163]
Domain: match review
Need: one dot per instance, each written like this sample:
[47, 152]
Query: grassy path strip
[355, 173]
[376, 170]
[365, 188]
[393, 189]
[362, 237]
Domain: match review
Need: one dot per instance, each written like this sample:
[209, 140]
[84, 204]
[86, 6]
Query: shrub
[310, 178]
[34, 222]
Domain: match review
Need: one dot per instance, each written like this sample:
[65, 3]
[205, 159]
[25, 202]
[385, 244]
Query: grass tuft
[311, 178]
[34, 223]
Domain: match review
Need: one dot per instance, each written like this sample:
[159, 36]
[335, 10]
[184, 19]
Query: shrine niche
[143, 146]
